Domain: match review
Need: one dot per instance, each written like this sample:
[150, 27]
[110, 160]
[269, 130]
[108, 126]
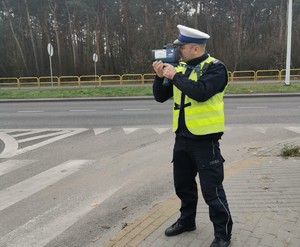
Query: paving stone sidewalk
[264, 198]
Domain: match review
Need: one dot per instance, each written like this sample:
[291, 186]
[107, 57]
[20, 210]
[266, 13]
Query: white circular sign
[50, 49]
[95, 57]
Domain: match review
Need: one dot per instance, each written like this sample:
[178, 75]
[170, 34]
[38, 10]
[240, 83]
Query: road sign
[50, 50]
[95, 57]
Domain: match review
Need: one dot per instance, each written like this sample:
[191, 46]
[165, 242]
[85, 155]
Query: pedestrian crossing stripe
[294, 129]
[130, 130]
[22, 190]
[13, 137]
[161, 130]
[42, 229]
[99, 131]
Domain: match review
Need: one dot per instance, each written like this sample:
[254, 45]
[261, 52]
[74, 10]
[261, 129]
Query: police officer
[197, 87]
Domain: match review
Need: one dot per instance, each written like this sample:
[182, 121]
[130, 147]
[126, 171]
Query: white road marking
[293, 129]
[99, 131]
[30, 111]
[252, 107]
[136, 109]
[11, 165]
[40, 230]
[28, 132]
[22, 190]
[10, 145]
[130, 130]
[62, 132]
[161, 130]
[11, 150]
[91, 110]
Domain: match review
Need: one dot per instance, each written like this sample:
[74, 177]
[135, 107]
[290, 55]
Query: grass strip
[115, 91]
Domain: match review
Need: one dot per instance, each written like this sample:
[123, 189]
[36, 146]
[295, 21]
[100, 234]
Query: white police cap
[190, 35]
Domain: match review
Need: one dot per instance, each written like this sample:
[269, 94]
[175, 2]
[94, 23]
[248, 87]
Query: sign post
[289, 44]
[50, 52]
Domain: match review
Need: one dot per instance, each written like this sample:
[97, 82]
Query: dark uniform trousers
[192, 156]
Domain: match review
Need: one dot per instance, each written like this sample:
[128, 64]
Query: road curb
[126, 98]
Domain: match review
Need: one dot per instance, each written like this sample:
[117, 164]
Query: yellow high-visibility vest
[201, 118]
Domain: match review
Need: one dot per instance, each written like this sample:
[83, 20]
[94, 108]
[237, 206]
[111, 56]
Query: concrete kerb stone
[256, 95]
[136, 231]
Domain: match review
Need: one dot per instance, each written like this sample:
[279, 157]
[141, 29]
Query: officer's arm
[213, 81]
[161, 93]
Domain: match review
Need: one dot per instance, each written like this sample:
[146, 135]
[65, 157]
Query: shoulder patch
[216, 61]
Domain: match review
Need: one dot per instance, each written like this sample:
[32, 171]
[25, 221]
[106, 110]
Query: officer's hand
[158, 68]
[169, 71]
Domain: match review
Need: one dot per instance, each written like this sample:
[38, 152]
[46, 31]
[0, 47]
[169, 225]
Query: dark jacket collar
[198, 60]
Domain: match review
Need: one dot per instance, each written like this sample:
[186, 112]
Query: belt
[180, 107]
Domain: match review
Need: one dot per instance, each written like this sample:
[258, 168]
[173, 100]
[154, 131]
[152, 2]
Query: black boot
[177, 228]
[220, 243]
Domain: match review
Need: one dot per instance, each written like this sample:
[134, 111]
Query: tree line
[245, 34]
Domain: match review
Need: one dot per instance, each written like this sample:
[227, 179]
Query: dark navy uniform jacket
[212, 81]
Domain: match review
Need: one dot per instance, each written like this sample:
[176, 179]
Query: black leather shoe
[177, 228]
[220, 243]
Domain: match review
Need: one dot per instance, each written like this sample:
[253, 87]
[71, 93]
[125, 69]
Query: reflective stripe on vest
[201, 118]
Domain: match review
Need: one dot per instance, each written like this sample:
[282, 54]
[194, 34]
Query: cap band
[186, 39]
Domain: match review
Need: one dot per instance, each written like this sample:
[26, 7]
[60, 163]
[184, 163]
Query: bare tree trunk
[73, 39]
[128, 44]
[53, 8]
[281, 22]
[16, 38]
[32, 39]
[107, 44]
[99, 49]
[197, 9]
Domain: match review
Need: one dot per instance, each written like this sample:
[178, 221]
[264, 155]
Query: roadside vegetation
[123, 33]
[116, 91]
[290, 151]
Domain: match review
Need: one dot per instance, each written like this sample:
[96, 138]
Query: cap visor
[178, 42]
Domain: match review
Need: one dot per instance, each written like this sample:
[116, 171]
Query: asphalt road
[93, 114]
[74, 173]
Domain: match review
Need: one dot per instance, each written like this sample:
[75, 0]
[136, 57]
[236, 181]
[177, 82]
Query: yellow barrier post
[230, 77]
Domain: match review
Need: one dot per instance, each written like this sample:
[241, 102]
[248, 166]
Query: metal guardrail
[135, 79]
[243, 75]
